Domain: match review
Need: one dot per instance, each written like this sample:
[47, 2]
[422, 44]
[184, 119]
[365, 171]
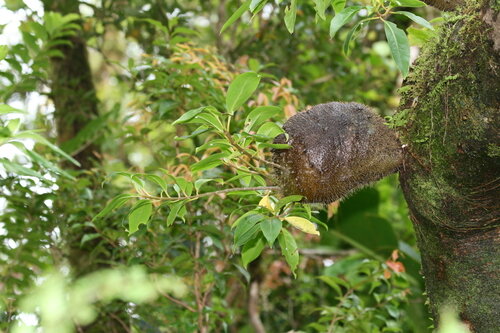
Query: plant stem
[244, 152]
[207, 194]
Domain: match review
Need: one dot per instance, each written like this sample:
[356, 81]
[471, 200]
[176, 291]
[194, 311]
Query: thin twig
[244, 152]
[208, 194]
[179, 302]
[118, 319]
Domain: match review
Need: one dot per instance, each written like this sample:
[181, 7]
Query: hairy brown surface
[335, 149]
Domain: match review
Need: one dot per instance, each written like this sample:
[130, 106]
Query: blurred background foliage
[152, 61]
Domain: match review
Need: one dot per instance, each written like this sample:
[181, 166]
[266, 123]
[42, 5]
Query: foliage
[184, 187]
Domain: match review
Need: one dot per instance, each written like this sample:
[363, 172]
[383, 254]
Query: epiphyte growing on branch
[335, 148]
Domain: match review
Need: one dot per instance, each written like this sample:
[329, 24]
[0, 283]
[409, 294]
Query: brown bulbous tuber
[335, 149]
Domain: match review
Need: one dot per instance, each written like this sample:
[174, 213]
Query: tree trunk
[450, 174]
[72, 88]
[76, 105]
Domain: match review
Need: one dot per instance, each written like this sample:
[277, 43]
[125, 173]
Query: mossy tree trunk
[450, 173]
[76, 105]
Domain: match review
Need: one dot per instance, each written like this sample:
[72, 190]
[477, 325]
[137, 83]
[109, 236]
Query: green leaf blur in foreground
[400, 48]
[61, 304]
[240, 90]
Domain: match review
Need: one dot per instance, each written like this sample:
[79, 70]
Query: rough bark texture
[450, 173]
[444, 4]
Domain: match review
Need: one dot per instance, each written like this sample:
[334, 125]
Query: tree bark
[72, 88]
[76, 105]
[450, 174]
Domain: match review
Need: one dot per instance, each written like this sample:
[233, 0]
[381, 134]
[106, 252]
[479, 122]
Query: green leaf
[332, 282]
[338, 5]
[289, 249]
[270, 130]
[236, 15]
[252, 250]
[189, 115]
[247, 228]
[271, 229]
[174, 211]
[208, 119]
[408, 3]
[320, 7]
[89, 237]
[210, 162]
[43, 162]
[400, 48]
[5, 109]
[259, 115]
[254, 4]
[340, 19]
[115, 203]
[348, 38]
[4, 49]
[417, 19]
[199, 183]
[290, 16]
[18, 169]
[139, 214]
[419, 37]
[40, 139]
[240, 90]
[286, 200]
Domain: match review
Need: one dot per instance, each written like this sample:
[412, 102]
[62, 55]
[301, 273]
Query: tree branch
[207, 194]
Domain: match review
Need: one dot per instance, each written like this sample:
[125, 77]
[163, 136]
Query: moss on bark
[450, 175]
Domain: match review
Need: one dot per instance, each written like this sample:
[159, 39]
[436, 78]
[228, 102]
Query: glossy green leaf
[289, 249]
[342, 18]
[247, 228]
[417, 19]
[270, 130]
[271, 228]
[240, 90]
[252, 250]
[259, 115]
[139, 214]
[400, 48]
[236, 15]
[290, 16]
